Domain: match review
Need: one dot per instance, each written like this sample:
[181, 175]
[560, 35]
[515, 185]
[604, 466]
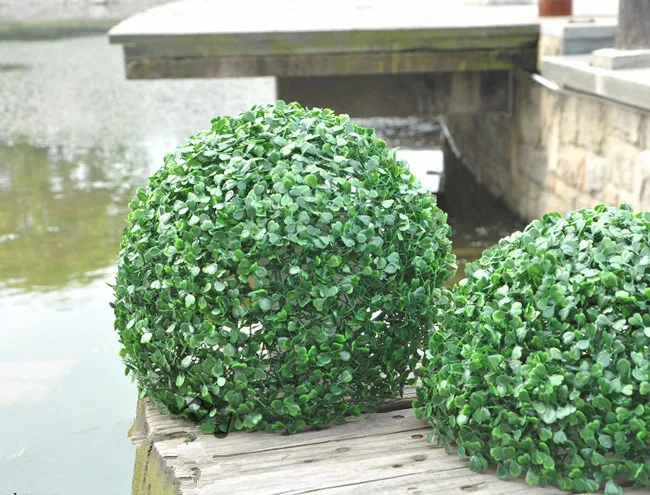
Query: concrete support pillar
[633, 25]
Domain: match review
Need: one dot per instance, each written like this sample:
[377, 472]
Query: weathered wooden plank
[329, 64]
[456, 481]
[243, 443]
[403, 95]
[339, 463]
[382, 453]
[154, 424]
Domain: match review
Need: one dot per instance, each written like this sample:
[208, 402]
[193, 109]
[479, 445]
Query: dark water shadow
[478, 220]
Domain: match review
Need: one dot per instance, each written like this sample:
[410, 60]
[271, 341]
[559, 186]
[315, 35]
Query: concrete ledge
[568, 29]
[630, 87]
[613, 59]
[578, 37]
[203, 38]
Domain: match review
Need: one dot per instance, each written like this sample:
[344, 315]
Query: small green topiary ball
[281, 270]
[542, 363]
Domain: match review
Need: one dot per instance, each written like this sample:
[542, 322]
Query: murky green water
[76, 139]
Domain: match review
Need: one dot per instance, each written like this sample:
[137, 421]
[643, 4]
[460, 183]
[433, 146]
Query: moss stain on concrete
[149, 476]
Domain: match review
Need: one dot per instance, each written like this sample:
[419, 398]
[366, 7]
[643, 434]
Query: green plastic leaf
[559, 437]
[265, 303]
[549, 416]
[324, 359]
[611, 488]
[532, 478]
[608, 279]
[208, 428]
[565, 411]
[636, 320]
[515, 470]
[478, 463]
[252, 420]
[311, 180]
[481, 415]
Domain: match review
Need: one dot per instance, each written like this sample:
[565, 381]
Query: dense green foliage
[280, 270]
[542, 364]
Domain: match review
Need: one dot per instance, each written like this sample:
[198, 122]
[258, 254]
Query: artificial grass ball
[542, 362]
[281, 270]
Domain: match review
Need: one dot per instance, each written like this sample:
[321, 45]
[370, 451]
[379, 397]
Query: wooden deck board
[381, 453]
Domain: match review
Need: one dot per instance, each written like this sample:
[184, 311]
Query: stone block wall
[550, 46]
[559, 151]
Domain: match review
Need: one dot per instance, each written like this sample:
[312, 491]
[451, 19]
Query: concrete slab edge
[613, 59]
[565, 29]
[617, 86]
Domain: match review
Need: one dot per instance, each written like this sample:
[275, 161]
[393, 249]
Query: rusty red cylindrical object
[552, 8]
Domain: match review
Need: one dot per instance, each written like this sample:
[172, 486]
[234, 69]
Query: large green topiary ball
[280, 270]
[542, 363]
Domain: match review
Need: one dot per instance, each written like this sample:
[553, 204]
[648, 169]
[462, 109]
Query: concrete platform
[202, 38]
[627, 86]
[581, 35]
[206, 28]
[366, 58]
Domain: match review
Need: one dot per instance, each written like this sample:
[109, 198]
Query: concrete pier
[363, 58]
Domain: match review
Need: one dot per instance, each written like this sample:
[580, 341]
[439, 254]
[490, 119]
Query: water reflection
[477, 219]
[65, 406]
[60, 221]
